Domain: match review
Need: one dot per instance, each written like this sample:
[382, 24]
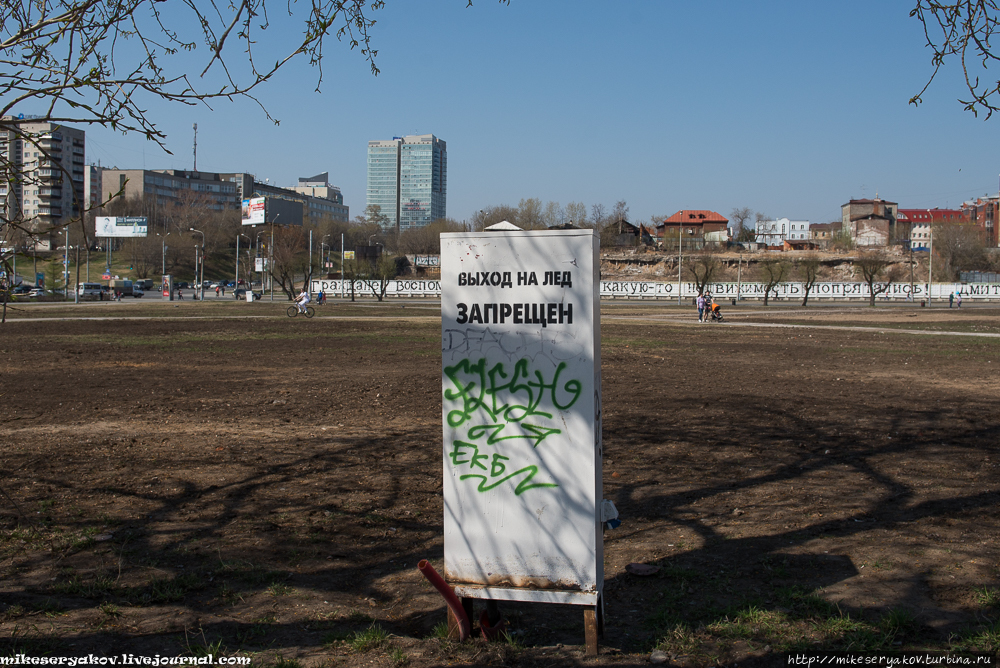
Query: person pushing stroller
[715, 311]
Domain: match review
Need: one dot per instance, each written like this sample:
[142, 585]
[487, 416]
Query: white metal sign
[111, 226]
[253, 211]
[258, 264]
[521, 415]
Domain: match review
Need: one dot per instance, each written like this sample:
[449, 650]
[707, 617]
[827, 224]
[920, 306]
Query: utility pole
[680, 256]
[739, 279]
[76, 292]
[930, 261]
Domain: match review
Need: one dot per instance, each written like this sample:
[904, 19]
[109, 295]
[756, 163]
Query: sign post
[521, 376]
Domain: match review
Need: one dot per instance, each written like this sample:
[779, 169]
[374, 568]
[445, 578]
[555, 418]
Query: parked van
[89, 290]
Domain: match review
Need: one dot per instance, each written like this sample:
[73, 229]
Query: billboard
[110, 226]
[253, 211]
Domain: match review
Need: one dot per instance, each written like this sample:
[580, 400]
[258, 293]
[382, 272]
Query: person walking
[958, 299]
[951, 299]
[217, 290]
[700, 301]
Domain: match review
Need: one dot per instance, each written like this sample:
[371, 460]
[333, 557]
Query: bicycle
[293, 311]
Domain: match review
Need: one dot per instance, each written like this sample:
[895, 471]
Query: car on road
[22, 289]
[35, 293]
[241, 293]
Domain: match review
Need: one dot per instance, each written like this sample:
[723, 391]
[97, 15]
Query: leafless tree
[289, 259]
[809, 271]
[427, 240]
[960, 248]
[553, 214]
[703, 265]
[576, 213]
[878, 270]
[75, 61]
[377, 275]
[772, 272]
[598, 215]
[963, 30]
[529, 214]
[741, 217]
[492, 215]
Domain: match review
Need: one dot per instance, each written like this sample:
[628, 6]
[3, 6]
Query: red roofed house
[699, 227]
[919, 222]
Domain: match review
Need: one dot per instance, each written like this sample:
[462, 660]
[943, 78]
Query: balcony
[50, 192]
[53, 211]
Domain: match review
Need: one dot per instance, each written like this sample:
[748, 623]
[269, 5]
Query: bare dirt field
[204, 481]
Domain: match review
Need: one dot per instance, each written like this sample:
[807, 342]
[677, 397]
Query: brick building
[698, 227]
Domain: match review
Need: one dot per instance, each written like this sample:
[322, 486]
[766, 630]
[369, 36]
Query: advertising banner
[897, 292]
[521, 383]
[253, 211]
[110, 226]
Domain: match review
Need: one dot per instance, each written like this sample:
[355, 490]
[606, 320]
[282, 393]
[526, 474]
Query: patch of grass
[680, 639]
[100, 586]
[206, 648]
[162, 590]
[371, 638]
[897, 623]
[227, 595]
[398, 657]
[110, 610]
[279, 589]
[988, 597]
[440, 630]
[282, 662]
[849, 634]
[13, 612]
[986, 639]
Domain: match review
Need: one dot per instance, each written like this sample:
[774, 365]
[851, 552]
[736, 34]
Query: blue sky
[790, 108]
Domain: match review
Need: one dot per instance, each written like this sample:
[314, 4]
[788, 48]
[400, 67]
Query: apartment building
[45, 185]
[224, 190]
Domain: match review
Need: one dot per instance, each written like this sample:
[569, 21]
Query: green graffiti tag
[487, 387]
[496, 470]
[506, 400]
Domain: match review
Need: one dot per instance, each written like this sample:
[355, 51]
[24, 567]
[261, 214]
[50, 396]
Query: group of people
[953, 297]
[708, 308]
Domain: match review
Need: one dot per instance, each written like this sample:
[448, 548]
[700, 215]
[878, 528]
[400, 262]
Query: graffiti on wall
[495, 406]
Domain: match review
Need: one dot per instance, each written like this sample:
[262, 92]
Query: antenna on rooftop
[196, 147]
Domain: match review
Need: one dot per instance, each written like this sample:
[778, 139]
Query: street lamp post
[163, 254]
[930, 259]
[270, 258]
[324, 259]
[237, 282]
[201, 281]
[76, 291]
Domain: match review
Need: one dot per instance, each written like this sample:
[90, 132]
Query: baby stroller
[716, 312]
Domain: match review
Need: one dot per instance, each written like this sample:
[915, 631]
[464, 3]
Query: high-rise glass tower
[408, 179]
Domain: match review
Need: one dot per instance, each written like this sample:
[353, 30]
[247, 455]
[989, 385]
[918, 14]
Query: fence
[896, 292]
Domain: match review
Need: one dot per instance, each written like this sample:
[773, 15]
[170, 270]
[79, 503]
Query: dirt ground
[211, 482]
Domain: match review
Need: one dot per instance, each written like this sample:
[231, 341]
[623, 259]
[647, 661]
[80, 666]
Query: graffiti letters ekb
[496, 408]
